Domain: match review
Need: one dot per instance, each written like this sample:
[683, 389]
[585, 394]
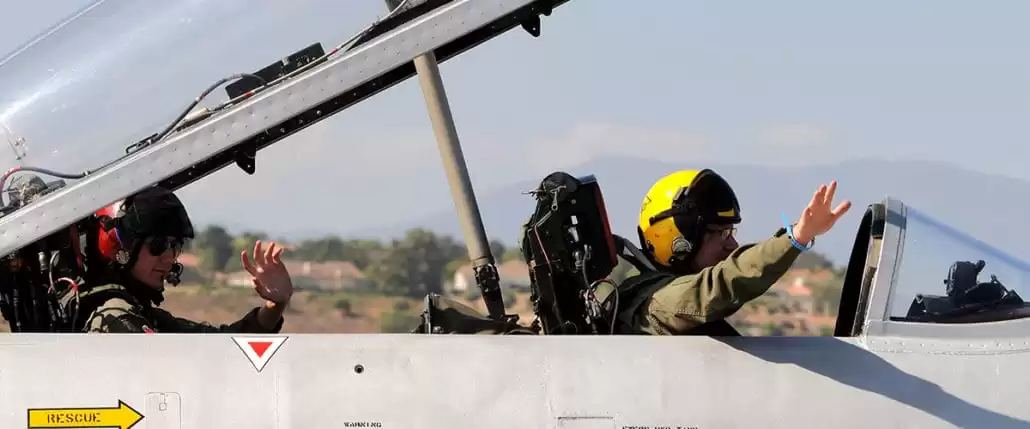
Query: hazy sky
[786, 82]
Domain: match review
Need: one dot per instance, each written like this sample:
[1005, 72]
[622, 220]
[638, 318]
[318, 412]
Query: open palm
[271, 280]
[817, 218]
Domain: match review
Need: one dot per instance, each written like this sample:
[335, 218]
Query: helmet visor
[714, 199]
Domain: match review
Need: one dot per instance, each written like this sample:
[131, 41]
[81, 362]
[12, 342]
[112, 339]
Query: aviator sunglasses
[158, 245]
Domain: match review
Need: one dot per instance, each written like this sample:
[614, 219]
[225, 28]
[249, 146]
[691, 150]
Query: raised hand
[271, 280]
[817, 218]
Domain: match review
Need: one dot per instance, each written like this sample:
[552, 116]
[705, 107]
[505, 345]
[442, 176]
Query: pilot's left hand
[271, 280]
[818, 218]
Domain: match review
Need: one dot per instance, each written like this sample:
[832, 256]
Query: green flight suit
[119, 312]
[664, 304]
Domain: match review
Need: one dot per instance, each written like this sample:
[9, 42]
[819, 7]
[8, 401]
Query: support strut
[487, 277]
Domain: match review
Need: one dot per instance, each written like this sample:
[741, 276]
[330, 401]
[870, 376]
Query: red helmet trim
[108, 243]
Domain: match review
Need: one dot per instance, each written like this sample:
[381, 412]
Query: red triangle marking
[259, 347]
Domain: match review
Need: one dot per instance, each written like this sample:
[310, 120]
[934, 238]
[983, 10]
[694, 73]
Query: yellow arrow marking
[121, 417]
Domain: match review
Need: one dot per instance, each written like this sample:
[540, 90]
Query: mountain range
[989, 207]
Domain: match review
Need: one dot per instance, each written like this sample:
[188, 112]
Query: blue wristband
[790, 234]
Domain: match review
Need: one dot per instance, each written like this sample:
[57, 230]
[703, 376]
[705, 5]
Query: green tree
[452, 268]
[205, 262]
[414, 265]
[214, 248]
[361, 253]
[827, 295]
[245, 242]
[321, 250]
[358, 252]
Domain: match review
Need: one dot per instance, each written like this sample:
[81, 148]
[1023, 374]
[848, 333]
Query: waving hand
[271, 280]
[817, 218]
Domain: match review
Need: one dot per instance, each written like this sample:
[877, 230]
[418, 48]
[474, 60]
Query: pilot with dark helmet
[700, 275]
[133, 253]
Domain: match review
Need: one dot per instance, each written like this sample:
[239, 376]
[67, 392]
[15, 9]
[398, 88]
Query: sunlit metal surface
[117, 72]
[445, 381]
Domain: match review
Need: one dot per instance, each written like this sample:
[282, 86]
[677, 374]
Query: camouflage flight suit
[664, 304]
[121, 312]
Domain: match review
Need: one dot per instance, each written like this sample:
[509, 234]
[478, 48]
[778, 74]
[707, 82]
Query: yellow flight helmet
[676, 210]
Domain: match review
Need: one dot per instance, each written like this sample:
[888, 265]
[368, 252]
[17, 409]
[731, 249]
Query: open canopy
[114, 73]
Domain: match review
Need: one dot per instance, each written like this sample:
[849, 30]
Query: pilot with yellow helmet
[701, 276]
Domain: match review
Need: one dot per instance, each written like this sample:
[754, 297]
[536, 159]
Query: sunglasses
[160, 245]
[723, 232]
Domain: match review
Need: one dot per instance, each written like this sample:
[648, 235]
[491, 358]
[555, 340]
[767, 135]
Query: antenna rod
[464, 197]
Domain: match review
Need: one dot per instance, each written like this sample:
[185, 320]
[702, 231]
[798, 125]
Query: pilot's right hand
[270, 277]
[817, 218]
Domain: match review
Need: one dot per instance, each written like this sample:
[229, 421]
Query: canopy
[935, 254]
[116, 72]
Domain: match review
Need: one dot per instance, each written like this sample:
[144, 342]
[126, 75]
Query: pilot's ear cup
[122, 257]
[681, 247]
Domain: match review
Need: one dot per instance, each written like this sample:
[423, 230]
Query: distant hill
[992, 208]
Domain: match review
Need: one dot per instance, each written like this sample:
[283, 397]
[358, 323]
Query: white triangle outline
[259, 362]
